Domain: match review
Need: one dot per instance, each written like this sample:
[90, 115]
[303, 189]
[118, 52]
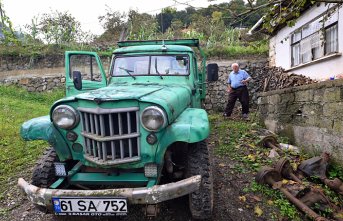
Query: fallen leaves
[242, 198]
[258, 211]
[270, 202]
[251, 157]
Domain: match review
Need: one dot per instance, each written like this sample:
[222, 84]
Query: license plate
[75, 206]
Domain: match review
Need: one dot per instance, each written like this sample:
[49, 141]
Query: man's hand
[229, 89]
[245, 82]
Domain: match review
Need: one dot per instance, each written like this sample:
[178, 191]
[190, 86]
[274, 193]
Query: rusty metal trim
[99, 110]
[109, 138]
[141, 195]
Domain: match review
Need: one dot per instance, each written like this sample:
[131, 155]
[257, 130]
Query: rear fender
[42, 128]
[190, 127]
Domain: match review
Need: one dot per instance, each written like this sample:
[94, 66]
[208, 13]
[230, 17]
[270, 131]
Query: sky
[21, 12]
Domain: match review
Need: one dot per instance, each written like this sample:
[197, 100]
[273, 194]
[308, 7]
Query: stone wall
[310, 116]
[36, 84]
[217, 96]
[9, 63]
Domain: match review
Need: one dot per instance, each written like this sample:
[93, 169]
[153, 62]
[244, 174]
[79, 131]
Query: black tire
[44, 173]
[199, 163]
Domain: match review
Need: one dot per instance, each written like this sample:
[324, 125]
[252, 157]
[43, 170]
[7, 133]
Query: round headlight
[153, 118]
[65, 117]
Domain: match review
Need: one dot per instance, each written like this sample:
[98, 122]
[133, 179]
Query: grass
[236, 51]
[17, 106]
[275, 198]
[236, 140]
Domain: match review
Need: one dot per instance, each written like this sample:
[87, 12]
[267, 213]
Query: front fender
[41, 128]
[190, 127]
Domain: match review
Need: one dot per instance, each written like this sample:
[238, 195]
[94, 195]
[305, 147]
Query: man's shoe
[225, 115]
[245, 117]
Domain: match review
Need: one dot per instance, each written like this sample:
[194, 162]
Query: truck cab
[136, 135]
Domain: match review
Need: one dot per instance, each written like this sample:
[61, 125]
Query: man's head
[235, 67]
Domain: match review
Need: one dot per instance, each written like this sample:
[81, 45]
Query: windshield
[151, 65]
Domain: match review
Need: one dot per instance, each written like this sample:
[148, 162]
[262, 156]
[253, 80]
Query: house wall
[280, 49]
[310, 116]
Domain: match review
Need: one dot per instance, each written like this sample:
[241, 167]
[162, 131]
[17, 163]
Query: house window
[295, 46]
[331, 39]
[314, 40]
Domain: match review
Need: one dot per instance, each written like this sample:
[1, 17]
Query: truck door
[197, 85]
[84, 72]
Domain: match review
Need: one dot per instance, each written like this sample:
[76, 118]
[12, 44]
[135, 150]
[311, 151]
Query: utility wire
[176, 3]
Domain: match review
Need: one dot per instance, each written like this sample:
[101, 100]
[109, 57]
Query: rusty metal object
[297, 189]
[271, 177]
[317, 166]
[141, 195]
[267, 138]
[284, 167]
[308, 195]
[318, 198]
[335, 184]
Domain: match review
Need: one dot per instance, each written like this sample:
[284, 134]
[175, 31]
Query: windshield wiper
[128, 72]
[156, 69]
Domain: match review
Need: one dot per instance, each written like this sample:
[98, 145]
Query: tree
[6, 28]
[113, 23]
[275, 12]
[141, 26]
[54, 28]
[33, 31]
[165, 18]
[200, 24]
[176, 26]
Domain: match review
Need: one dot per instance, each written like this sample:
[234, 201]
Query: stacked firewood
[267, 79]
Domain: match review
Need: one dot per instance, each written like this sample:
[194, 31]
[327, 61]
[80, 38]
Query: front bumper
[141, 195]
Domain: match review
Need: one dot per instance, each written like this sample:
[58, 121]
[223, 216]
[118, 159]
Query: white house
[313, 46]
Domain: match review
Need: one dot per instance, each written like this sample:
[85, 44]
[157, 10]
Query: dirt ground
[228, 187]
[227, 206]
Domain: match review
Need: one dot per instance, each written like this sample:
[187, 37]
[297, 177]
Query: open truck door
[84, 72]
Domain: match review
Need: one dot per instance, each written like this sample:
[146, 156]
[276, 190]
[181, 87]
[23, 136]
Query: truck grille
[111, 136]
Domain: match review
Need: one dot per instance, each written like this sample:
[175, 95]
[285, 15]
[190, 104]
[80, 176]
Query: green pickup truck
[134, 136]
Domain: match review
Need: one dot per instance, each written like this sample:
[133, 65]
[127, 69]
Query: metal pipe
[271, 145]
[302, 206]
[295, 178]
[267, 175]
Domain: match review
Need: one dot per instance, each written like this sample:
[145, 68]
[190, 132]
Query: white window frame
[309, 42]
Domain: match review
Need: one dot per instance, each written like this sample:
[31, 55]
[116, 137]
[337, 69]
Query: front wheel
[199, 163]
[44, 172]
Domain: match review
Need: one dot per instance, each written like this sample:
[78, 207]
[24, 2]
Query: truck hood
[173, 98]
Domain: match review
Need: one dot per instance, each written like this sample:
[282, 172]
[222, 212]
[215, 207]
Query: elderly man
[237, 88]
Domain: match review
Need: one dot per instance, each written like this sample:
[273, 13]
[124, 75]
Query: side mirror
[212, 72]
[77, 80]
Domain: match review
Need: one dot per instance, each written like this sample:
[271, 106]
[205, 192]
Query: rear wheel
[44, 172]
[199, 163]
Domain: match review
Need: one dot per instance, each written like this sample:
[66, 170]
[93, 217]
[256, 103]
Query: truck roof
[152, 48]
